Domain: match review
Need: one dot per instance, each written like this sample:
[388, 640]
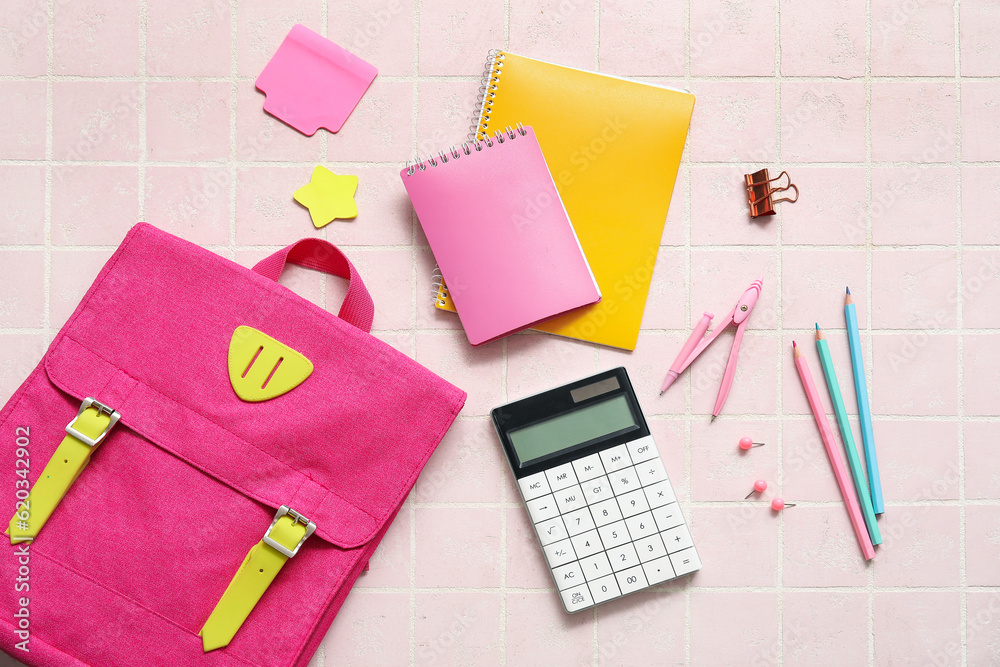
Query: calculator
[596, 491]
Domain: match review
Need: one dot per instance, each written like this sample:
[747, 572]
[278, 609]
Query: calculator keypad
[609, 524]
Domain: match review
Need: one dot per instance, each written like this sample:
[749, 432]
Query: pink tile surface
[982, 545]
[885, 115]
[379, 32]
[918, 460]
[735, 121]
[458, 547]
[95, 120]
[458, 36]
[747, 620]
[916, 627]
[97, 38]
[920, 548]
[188, 38]
[823, 628]
[187, 120]
[982, 465]
[191, 202]
[916, 39]
[23, 300]
[982, 630]
[537, 625]
[22, 205]
[827, 43]
[642, 37]
[979, 132]
[731, 39]
[740, 544]
[93, 205]
[22, 126]
[820, 548]
[367, 631]
[457, 628]
[24, 50]
[982, 375]
[823, 121]
[907, 205]
[23, 352]
[554, 30]
[913, 120]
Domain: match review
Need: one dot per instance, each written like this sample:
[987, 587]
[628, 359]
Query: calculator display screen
[583, 425]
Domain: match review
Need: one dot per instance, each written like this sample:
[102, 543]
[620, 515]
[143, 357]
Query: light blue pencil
[864, 409]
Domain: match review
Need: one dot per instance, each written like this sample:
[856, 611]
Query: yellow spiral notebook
[613, 147]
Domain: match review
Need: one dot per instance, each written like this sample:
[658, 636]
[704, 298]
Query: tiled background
[885, 112]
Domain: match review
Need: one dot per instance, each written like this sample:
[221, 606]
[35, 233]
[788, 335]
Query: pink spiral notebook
[500, 234]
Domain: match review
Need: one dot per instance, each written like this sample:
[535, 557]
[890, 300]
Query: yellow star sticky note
[328, 196]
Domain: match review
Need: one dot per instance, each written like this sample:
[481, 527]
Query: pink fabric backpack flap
[145, 542]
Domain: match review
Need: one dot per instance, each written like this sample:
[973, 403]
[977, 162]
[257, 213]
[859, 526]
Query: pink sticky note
[312, 83]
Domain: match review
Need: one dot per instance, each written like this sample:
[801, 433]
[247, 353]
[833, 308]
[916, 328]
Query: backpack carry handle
[312, 253]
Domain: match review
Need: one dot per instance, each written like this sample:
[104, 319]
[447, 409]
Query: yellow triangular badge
[261, 368]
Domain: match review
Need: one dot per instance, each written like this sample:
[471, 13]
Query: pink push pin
[758, 487]
[778, 504]
[746, 442]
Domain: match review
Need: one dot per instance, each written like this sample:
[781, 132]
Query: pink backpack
[140, 550]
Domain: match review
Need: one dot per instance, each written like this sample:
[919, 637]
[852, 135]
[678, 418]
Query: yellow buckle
[259, 568]
[92, 424]
[100, 407]
[296, 518]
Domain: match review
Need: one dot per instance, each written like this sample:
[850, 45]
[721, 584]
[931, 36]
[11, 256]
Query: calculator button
[540, 509]
[596, 566]
[570, 499]
[614, 534]
[551, 531]
[633, 503]
[579, 521]
[631, 580]
[650, 548]
[676, 539]
[642, 449]
[651, 472]
[588, 467]
[615, 458]
[589, 543]
[606, 512]
[659, 570]
[623, 557]
[597, 490]
[561, 476]
[533, 486]
[668, 516]
[624, 480]
[568, 576]
[605, 589]
[559, 553]
[660, 493]
[577, 598]
[685, 562]
[641, 525]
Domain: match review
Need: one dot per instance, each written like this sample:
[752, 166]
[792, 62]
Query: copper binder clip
[760, 193]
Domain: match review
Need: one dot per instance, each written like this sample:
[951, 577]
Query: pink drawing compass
[696, 344]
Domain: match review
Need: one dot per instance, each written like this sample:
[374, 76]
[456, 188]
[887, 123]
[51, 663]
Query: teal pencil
[860, 484]
[864, 410]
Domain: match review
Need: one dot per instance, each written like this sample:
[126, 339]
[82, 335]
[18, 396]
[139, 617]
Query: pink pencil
[839, 469]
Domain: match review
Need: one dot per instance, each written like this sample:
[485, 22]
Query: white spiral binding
[440, 289]
[412, 166]
[487, 91]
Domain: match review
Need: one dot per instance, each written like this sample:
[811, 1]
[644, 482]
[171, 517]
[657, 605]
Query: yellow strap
[70, 458]
[259, 568]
